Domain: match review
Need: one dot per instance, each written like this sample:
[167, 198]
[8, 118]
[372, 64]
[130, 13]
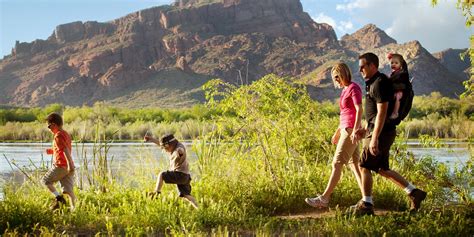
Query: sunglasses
[362, 66]
[50, 125]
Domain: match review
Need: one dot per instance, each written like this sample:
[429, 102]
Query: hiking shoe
[363, 208]
[416, 197]
[317, 202]
[58, 202]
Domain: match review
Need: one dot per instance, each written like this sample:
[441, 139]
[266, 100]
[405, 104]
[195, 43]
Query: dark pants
[182, 180]
[380, 161]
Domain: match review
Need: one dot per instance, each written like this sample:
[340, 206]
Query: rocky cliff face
[427, 72]
[162, 55]
[368, 37]
[451, 59]
[83, 62]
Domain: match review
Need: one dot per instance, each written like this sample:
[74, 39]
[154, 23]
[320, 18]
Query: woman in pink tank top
[345, 137]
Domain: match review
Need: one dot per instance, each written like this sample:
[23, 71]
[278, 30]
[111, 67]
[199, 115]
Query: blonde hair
[343, 72]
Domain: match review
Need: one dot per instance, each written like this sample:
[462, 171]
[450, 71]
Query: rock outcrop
[368, 37]
[79, 31]
[451, 59]
[427, 73]
[82, 62]
[162, 55]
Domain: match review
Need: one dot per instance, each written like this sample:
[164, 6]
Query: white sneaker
[317, 202]
[352, 208]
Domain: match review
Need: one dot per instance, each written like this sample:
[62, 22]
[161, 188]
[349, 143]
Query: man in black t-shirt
[380, 136]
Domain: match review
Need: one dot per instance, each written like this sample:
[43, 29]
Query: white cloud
[389, 31]
[323, 18]
[342, 27]
[350, 6]
[345, 26]
[437, 28]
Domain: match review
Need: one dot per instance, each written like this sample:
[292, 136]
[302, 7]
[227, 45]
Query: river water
[14, 155]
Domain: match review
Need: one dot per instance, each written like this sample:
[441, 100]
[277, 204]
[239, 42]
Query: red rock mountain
[450, 58]
[444, 72]
[162, 55]
[367, 38]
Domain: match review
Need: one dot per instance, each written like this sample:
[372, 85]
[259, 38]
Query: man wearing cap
[178, 172]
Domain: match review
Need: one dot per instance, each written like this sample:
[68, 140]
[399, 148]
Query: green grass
[243, 200]
[251, 168]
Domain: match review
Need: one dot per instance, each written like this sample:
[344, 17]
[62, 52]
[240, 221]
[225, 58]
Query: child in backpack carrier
[400, 80]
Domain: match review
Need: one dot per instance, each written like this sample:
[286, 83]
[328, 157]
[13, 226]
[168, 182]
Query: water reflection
[33, 155]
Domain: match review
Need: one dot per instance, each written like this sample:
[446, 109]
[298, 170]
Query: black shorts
[380, 161]
[182, 180]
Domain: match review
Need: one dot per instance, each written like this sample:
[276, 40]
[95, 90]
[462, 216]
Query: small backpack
[406, 101]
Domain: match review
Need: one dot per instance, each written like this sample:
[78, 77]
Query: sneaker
[317, 202]
[58, 202]
[353, 207]
[362, 208]
[416, 196]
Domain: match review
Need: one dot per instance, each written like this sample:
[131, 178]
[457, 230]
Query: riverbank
[251, 169]
[239, 195]
[432, 115]
[450, 152]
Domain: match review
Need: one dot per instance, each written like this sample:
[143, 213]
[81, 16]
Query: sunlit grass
[251, 168]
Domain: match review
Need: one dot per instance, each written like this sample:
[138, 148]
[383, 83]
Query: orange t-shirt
[62, 140]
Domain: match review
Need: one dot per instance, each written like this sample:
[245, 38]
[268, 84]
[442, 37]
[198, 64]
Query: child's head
[397, 62]
[55, 122]
[168, 142]
[341, 75]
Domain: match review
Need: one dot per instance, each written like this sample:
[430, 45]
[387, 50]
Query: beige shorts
[60, 174]
[346, 152]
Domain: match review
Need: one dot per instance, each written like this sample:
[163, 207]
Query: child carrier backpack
[406, 101]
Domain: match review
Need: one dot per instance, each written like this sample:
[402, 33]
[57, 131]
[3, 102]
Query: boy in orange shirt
[63, 165]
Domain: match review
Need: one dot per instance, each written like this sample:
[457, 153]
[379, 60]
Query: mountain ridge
[175, 49]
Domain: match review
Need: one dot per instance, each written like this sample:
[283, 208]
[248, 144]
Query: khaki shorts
[60, 174]
[346, 152]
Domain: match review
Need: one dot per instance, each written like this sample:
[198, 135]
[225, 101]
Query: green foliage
[432, 115]
[105, 113]
[24, 214]
[118, 123]
[28, 115]
[259, 163]
[445, 107]
[439, 116]
[428, 141]
[273, 114]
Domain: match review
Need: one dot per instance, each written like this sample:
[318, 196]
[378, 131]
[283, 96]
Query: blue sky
[436, 28]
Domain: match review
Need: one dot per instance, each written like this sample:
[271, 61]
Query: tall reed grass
[432, 115]
[252, 168]
[85, 130]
